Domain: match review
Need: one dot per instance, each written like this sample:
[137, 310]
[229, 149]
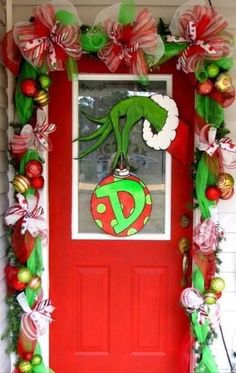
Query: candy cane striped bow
[46, 40]
[36, 138]
[27, 208]
[34, 322]
[207, 141]
[202, 28]
[130, 43]
[192, 300]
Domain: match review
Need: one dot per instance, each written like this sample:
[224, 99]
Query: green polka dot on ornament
[113, 222]
[145, 220]
[148, 199]
[99, 223]
[101, 208]
[131, 231]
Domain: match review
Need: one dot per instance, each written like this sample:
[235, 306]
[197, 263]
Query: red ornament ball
[219, 294]
[18, 285]
[29, 87]
[121, 206]
[33, 169]
[205, 88]
[37, 182]
[28, 356]
[213, 193]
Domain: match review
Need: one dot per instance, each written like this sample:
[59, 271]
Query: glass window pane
[96, 98]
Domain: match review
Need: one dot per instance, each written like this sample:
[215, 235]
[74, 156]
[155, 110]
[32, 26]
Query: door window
[95, 95]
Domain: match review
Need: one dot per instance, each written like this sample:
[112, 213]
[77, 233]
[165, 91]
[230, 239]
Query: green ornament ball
[212, 70]
[25, 366]
[217, 284]
[44, 81]
[24, 275]
[36, 360]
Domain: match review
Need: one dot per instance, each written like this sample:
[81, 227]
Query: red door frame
[62, 99]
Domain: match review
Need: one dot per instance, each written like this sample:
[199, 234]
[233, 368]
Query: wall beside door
[87, 10]
[4, 358]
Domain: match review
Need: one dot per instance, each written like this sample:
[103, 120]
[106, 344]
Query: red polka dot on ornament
[33, 169]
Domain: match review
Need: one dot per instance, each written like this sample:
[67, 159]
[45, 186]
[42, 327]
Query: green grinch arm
[134, 109]
[107, 131]
[101, 121]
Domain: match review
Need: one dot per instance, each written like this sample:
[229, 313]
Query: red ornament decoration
[37, 182]
[121, 206]
[213, 193]
[28, 356]
[205, 88]
[18, 285]
[29, 87]
[33, 169]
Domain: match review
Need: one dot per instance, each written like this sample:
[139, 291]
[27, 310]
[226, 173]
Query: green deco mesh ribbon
[127, 12]
[204, 177]
[34, 262]
[24, 104]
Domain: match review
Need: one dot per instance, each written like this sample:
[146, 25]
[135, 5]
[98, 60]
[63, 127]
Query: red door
[117, 302]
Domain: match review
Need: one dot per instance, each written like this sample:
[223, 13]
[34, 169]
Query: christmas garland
[54, 39]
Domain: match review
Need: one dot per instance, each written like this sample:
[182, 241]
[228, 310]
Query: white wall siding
[5, 365]
[87, 10]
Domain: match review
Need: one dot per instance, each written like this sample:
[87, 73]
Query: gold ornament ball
[25, 366]
[223, 180]
[36, 360]
[35, 283]
[42, 98]
[223, 82]
[209, 297]
[227, 192]
[217, 284]
[21, 183]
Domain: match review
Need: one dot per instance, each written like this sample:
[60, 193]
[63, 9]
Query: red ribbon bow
[46, 40]
[202, 28]
[130, 43]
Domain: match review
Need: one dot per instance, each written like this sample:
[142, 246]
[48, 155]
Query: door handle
[184, 246]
